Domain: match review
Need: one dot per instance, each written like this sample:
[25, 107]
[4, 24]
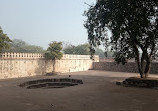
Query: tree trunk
[143, 65]
[148, 66]
[139, 64]
[139, 68]
[53, 65]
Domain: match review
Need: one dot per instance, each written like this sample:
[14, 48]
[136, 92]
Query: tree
[82, 49]
[70, 49]
[54, 50]
[21, 46]
[4, 40]
[134, 26]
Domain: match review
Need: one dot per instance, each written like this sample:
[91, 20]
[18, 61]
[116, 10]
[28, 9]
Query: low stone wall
[14, 65]
[129, 67]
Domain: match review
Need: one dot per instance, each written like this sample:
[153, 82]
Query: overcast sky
[39, 22]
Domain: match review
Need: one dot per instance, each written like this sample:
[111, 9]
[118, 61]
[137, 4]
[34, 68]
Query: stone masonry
[129, 67]
[14, 65]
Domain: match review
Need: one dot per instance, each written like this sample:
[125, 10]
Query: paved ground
[98, 93]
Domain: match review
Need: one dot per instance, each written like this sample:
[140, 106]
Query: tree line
[20, 46]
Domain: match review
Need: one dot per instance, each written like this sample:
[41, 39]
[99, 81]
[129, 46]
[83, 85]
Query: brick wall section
[129, 67]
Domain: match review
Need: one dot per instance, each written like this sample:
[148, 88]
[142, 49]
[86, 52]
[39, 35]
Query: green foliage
[134, 25]
[82, 49]
[69, 49]
[4, 40]
[103, 54]
[21, 46]
[54, 50]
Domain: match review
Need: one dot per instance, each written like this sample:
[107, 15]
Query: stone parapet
[21, 56]
[14, 65]
[42, 56]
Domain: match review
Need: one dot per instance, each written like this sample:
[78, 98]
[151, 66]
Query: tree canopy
[54, 50]
[82, 49]
[21, 46]
[4, 41]
[134, 27]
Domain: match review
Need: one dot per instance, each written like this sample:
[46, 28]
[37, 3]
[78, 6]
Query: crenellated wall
[14, 65]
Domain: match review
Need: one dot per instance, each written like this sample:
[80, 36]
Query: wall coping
[7, 55]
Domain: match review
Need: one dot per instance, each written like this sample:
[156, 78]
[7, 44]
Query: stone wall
[129, 67]
[14, 65]
[74, 63]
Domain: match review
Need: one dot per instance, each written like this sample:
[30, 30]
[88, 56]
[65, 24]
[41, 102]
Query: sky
[38, 22]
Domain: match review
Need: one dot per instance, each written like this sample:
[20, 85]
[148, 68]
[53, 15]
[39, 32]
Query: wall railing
[40, 56]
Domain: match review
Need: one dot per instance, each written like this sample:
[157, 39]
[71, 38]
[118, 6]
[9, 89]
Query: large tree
[134, 27]
[4, 41]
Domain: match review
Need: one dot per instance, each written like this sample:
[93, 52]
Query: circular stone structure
[51, 83]
[140, 82]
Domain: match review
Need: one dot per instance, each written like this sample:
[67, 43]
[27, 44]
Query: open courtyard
[98, 92]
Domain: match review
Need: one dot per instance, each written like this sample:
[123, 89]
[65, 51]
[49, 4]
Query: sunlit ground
[97, 93]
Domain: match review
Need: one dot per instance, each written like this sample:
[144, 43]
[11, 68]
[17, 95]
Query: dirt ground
[98, 93]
